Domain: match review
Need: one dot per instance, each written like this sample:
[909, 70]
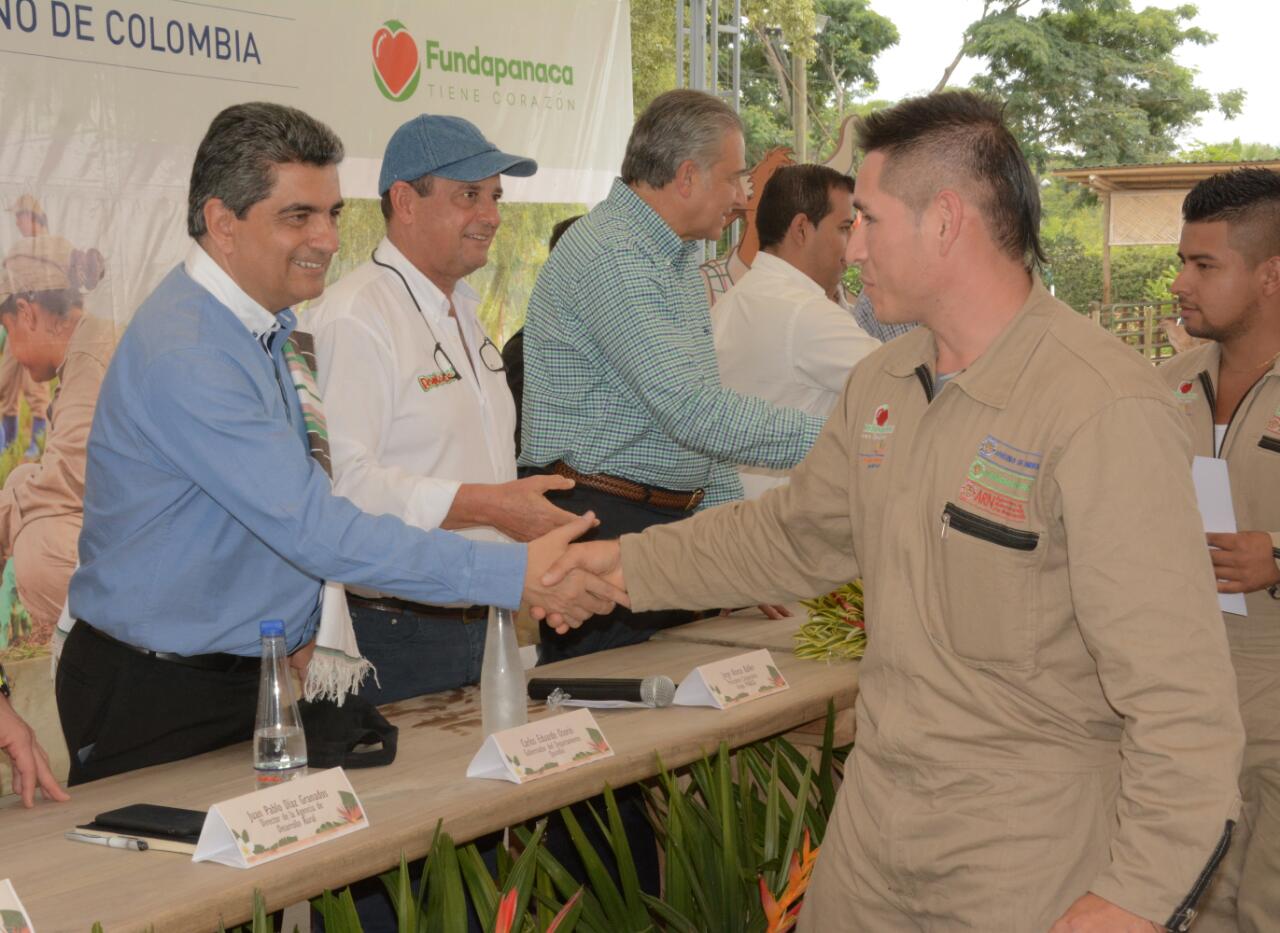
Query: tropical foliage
[739, 832]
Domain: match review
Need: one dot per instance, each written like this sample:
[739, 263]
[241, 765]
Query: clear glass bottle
[503, 697]
[279, 744]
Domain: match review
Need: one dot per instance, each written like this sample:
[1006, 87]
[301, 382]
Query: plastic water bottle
[279, 744]
[503, 699]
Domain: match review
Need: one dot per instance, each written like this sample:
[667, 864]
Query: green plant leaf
[262, 922]
[825, 780]
[446, 901]
[611, 900]
[673, 921]
[479, 883]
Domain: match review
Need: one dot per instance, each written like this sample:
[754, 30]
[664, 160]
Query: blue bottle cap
[271, 627]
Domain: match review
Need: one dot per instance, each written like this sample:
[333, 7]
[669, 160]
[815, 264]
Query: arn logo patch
[1185, 392]
[1000, 479]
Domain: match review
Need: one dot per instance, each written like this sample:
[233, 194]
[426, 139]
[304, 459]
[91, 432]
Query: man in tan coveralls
[1229, 291]
[49, 334]
[1047, 733]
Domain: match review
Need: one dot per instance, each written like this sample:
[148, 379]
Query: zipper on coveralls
[1186, 912]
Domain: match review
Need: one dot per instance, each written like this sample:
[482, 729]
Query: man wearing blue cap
[421, 421]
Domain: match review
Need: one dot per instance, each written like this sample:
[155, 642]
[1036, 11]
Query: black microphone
[651, 691]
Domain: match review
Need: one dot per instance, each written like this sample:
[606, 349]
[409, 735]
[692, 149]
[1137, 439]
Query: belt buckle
[695, 499]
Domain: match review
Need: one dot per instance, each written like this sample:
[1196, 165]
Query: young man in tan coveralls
[1047, 733]
[1229, 291]
[49, 334]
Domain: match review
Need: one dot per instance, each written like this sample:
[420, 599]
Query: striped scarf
[337, 667]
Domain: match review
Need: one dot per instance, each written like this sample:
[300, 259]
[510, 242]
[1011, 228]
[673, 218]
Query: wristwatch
[1274, 589]
[4, 684]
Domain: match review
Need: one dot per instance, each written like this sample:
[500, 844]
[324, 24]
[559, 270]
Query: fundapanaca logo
[396, 68]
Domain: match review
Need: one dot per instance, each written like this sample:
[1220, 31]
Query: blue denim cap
[450, 147]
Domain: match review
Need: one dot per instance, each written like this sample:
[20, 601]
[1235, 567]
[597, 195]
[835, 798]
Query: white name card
[549, 746]
[281, 820]
[740, 679]
[13, 916]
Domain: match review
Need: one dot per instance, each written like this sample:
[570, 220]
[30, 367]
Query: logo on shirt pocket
[437, 379]
[875, 438]
[1000, 478]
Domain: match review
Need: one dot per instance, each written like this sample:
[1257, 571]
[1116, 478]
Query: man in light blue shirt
[204, 511]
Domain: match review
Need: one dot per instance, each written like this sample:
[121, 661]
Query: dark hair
[421, 185]
[678, 126]
[57, 301]
[955, 137]
[560, 229]
[796, 189]
[1248, 200]
[237, 157]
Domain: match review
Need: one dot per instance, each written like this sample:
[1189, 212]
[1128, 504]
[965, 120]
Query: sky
[1244, 55]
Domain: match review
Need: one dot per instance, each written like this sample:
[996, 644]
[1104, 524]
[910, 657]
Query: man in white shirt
[778, 335]
[421, 422]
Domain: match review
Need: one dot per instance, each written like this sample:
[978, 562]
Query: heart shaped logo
[1184, 388]
[882, 415]
[396, 68]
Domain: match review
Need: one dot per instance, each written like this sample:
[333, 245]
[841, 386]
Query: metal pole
[680, 43]
[800, 104]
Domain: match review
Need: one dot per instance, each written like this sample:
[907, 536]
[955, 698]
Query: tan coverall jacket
[1046, 705]
[1245, 895]
[42, 504]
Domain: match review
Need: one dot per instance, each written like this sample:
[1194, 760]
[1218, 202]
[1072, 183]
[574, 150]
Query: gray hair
[677, 126]
[237, 157]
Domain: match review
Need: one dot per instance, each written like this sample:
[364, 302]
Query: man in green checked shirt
[623, 391]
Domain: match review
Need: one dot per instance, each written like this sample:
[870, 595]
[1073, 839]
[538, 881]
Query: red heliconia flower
[506, 913]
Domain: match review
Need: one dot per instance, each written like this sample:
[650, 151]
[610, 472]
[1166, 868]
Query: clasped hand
[566, 584]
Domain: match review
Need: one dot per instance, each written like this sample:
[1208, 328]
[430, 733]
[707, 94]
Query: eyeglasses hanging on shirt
[440, 356]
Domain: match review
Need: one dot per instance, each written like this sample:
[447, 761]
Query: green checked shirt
[620, 368]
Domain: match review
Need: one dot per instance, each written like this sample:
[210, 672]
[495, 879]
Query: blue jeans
[417, 653]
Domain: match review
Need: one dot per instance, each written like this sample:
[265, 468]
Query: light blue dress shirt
[204, 513]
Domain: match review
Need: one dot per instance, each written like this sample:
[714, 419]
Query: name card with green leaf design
[13, 916]
[536, 749]
[739, 679]
[280, 820]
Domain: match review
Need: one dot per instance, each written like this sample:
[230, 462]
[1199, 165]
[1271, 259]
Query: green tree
[1234, 151]
[841, 67]
[653, 50]
[1093, 81]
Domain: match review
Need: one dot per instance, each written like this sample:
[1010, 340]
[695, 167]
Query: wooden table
[67, 886]
[748, 629]
[745, 628]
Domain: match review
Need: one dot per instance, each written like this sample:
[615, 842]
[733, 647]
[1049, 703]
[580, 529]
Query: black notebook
[167, 829]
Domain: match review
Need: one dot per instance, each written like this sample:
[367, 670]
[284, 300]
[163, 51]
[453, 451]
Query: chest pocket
[989, 602]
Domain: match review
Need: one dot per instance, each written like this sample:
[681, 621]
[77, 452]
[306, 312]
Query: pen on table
[114, 842]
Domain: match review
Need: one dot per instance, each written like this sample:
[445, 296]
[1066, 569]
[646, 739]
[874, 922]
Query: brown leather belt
[630, 490]
[391, 604]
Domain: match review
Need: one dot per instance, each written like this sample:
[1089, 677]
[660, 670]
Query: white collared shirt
[778, 337]
[402, 438]
[214, 279]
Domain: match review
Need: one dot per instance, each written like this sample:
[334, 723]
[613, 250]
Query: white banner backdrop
[102, 103]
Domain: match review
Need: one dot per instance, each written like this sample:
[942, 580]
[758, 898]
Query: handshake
[565, 583]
